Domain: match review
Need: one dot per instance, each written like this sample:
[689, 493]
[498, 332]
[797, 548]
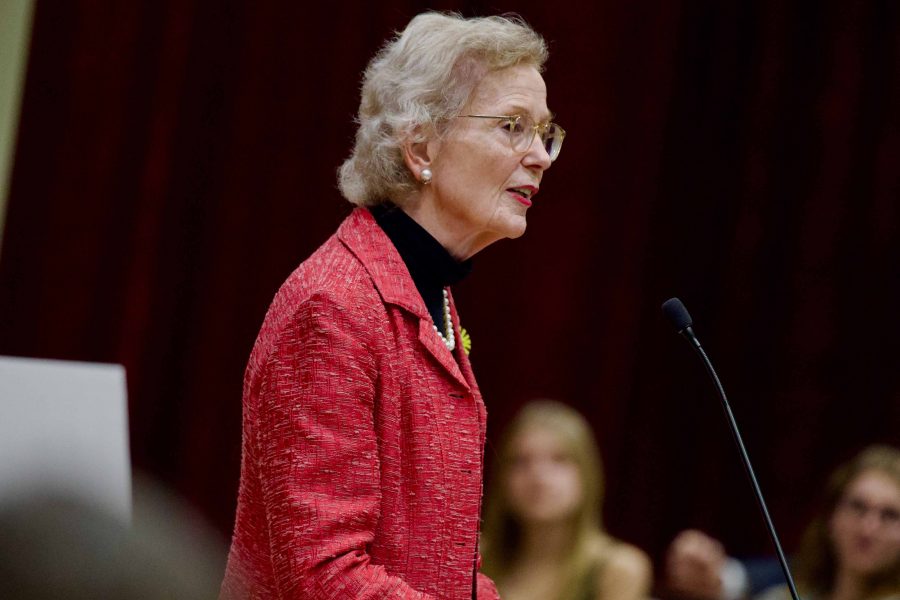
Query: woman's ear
[418, 154]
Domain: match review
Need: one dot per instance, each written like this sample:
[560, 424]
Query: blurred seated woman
[851, 550]
[543, 536]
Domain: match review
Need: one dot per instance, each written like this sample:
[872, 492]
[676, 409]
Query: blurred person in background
[850, 550]
[543, 533]
[698, 568]
[363, 428]
[54, 544]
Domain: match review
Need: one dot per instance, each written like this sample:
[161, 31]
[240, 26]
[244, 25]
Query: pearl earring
[426, 176]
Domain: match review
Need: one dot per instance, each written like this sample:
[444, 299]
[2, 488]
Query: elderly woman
[543, 532]
[363, 426]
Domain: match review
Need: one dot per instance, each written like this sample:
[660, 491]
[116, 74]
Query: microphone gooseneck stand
[678, 315]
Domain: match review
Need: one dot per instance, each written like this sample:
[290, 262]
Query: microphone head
[677, 314]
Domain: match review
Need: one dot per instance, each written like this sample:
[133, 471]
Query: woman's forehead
[515, 90]
[875, 484]
[540, 435]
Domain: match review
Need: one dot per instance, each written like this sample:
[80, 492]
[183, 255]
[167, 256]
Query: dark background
[176, 160]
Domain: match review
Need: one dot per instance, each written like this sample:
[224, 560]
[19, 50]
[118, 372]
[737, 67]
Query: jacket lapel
[466, 369]
[435, 346]
[464, 365]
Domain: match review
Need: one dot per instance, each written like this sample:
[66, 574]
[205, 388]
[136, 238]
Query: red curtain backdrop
[176, 160]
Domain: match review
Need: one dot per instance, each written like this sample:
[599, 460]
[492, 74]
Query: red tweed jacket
[363, 437]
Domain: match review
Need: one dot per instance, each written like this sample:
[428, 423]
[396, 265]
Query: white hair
[416, 84]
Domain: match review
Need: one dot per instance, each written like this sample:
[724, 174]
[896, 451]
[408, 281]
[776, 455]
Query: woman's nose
[871, 521]
[537, 155]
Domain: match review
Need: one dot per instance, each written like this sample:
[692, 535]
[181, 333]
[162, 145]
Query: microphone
[681, 320]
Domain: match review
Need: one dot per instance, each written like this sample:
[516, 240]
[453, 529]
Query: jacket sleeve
[318, 458]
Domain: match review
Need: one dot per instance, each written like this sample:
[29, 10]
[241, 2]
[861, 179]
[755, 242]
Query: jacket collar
[365, 239]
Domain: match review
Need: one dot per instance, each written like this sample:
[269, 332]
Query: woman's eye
[858, 506]
[512, 125]
[517, 462]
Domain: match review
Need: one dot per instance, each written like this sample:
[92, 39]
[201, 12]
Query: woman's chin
[516, 227]
[867, 567]
[518, 233]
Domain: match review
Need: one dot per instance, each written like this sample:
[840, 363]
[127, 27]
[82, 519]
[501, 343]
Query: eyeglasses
[522, 129]
[888, 516]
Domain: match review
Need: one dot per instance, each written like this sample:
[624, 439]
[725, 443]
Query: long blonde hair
[502, 532]
[816, 561]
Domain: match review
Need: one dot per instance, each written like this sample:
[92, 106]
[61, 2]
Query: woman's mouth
[523, 194]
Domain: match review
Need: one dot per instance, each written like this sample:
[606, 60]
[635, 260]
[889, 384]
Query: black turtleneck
[430, 265]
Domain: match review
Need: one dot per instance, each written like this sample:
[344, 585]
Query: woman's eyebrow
[518, 109]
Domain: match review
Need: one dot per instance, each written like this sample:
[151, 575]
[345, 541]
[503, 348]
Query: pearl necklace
[448, 338]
